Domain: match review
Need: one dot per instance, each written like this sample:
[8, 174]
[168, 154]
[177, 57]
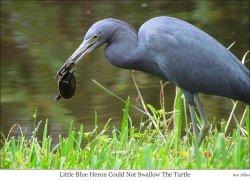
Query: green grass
[146, 147]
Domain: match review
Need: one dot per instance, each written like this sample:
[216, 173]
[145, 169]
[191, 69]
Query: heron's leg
[205, 124]
[194, 122]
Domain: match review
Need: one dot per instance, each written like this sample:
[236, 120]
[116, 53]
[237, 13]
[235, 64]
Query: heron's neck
[121, 48]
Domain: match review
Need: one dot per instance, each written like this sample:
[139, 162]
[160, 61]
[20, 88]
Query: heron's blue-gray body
[177, 51]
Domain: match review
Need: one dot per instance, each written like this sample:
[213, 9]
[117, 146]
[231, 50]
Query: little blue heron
[173, 50]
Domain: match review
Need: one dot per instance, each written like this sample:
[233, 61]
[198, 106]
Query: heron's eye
[96, 36]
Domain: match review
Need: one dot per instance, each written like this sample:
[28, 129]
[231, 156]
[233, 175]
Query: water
[38, 37]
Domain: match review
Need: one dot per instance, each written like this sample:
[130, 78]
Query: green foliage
[129, 148]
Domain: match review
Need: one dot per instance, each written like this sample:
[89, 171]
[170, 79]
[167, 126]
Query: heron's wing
[192, 59]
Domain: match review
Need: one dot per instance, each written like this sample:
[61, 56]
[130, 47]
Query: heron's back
[193, 60]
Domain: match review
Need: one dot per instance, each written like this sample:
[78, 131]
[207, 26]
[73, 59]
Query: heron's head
[95, 37]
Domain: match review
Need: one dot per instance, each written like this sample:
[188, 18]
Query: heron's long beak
[84, 49]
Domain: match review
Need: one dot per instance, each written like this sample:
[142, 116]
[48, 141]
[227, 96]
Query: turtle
[66, 85]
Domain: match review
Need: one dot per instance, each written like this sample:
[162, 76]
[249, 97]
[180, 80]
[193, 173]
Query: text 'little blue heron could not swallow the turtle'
[173, 50]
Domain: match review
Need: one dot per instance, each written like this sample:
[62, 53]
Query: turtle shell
[66, 85]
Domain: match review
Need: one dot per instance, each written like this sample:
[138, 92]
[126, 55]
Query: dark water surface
[38, 37]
